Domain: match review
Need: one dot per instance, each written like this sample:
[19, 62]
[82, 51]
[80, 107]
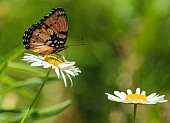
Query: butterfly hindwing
[50, 35]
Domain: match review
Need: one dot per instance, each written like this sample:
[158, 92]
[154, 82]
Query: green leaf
[21, 84]
[28, 69]
[41, 113]
[10, 56]
[10, 84]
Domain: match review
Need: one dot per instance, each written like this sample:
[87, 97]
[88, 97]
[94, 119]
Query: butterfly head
[60, 49]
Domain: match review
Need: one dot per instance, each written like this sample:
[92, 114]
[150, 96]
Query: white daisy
[62, 68]
[137, 98]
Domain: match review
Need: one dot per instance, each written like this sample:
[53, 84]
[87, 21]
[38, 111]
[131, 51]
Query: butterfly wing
[50, 35]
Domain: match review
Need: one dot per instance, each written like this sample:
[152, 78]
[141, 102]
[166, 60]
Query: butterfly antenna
[75, 45]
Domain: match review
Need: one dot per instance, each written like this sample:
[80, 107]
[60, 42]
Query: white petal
[69, 72]
[151, 102]
[160, 97]
[57, 72]
[46, 64]
[137, 91]
[36, 64]
[76, 72]
[64, 78]
[143, 93]
[71, 63]
[113, 98]
[27, 54]
[129, 91]
[162, 101]
[66, 64]
[117, 93]
[123, 95]
[70, 79]
[151, 96]
[157, 98]
[32, 58]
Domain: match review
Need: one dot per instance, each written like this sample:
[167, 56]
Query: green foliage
[127, 45]
[36, 114]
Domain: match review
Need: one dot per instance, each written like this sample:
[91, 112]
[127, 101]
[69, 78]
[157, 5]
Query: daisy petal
[66, 64]
[64, 78]
[57, 72]
[129, 91]
[46, 65]
[151, 96]
[137, 91]
[117, 93]
[36, 64]
[113, 98]
[70, 79]
[123, 95]
[143, 93]
[69, 72]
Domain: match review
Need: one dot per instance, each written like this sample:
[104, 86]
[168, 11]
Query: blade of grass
[11, 55]
[12, 83]
[37, 114]
[30, 107]
[23, 84]
[27, 69]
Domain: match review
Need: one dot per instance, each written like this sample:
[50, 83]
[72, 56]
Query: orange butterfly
[48, 36]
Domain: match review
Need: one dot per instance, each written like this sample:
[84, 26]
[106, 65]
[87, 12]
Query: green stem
[29, 109]
[134, 113]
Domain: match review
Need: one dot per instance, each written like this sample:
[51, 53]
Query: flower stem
[29, 109]
[134, 113]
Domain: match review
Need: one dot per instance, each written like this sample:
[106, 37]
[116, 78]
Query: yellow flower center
[136, 97]
[53, 60]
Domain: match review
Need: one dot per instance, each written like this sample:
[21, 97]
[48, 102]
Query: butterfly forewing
[38, 41]
[50, 35]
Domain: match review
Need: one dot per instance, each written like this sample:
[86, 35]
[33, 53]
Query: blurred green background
[127, 45]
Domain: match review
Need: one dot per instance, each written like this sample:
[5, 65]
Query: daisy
[62, 68]
[137, 98]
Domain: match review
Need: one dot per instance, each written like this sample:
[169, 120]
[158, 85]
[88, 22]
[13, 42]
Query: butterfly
[48, 36]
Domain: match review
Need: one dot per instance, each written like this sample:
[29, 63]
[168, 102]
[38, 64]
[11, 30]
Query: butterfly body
[48, 36]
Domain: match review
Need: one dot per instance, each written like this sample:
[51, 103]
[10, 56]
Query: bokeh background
[127, 45]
